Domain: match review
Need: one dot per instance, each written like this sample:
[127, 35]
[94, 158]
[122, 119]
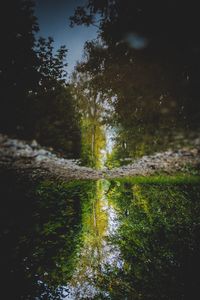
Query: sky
[53, 18]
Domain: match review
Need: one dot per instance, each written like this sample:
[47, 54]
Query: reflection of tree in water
[103, 240]
[39, 230]
[95, 253]
[158, 237]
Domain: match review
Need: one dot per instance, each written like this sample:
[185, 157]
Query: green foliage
[135, 238]
[93, 141]
[90, 105]
[36, 103]
[158, 240]
[154, 87]
[57, 123]
[53, 118]
[40, 233]
[163, 179]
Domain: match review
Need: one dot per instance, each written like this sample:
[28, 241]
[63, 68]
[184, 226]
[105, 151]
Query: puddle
[100, 240]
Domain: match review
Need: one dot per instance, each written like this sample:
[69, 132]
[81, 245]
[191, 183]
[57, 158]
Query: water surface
[100, 240]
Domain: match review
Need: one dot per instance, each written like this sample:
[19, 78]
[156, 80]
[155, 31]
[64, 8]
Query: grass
[162, 179]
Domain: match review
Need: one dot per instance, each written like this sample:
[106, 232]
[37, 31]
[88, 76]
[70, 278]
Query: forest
[100, 157]
[139, 78]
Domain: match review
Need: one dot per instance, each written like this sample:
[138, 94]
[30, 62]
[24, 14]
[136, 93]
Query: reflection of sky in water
[93, 260]
[112, 255]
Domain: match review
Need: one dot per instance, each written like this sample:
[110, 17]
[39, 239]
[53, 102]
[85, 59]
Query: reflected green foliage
[136, 238]
[40, 228]
[158, 238]
[178, 179]
[92, 252]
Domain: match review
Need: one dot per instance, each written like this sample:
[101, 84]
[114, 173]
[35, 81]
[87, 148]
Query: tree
[18, 63]
[146, 62]
[56, 121]
[90, 105]
[36, 102]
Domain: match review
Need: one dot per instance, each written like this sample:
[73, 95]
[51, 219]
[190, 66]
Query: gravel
[34, 161]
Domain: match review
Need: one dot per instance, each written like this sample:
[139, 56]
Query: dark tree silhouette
[35, 100]
[18, 63]
[55, 119]
[161, 35]
[147, 57]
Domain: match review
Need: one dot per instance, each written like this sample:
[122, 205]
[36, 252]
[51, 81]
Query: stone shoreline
[31, 160]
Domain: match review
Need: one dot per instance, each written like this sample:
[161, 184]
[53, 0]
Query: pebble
[16, 150]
